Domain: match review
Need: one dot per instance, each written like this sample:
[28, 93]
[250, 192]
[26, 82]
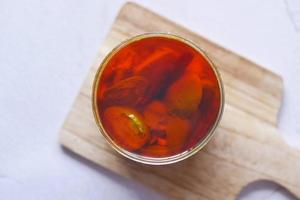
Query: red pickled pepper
[167, 87]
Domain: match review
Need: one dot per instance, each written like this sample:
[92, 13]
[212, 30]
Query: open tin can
[157, 98]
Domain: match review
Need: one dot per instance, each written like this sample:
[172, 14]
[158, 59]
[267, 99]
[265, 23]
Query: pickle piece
[184, 96]
[155, 115]
[205, 118]
[177, 130]
[129, 92]
[161, 69]
[126, 127]
[158, 137]
[167, 130]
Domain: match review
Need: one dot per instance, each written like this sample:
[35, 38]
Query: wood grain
[247, 146]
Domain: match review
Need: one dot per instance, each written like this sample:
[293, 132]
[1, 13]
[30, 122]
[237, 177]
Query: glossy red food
[157, 97]
[126, 127]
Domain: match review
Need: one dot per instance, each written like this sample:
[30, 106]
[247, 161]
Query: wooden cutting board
[246, 147]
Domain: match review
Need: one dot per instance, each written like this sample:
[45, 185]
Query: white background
[46, 49]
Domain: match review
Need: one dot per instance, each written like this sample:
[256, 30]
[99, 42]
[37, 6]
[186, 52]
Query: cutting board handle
[284, 167]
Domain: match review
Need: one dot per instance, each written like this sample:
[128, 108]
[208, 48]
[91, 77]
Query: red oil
[158, 97]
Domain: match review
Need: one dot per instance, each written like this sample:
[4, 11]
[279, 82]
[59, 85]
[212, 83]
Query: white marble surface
[46, 49]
